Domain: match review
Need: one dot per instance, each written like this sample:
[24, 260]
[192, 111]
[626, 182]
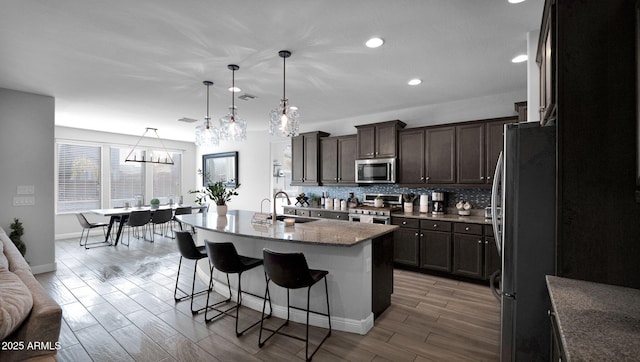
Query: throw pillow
[16, 302]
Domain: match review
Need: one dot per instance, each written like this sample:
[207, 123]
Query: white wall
[533, 77]
[26, 156]
[66, 225]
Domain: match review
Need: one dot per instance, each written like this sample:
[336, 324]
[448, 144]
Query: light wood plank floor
[118, 306]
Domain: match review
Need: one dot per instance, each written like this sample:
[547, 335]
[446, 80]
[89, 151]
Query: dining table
[121, 214]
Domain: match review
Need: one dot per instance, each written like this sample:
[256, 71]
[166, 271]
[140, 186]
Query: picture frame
[220, 167]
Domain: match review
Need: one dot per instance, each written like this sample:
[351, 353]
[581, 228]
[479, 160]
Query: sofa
[30, 319]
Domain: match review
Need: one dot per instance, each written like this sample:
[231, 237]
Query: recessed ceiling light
[374, 42]
[520, 58]
[415, 81]
[515, 1]
[235, 89]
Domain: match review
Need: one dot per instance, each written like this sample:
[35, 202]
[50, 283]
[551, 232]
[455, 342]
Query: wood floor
[118, 306]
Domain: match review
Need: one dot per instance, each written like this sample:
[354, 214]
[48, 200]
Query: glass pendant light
[284, 118]
[206, 134]
[233, 128]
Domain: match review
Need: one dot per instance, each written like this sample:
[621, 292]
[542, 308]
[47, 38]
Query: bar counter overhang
[359, 258]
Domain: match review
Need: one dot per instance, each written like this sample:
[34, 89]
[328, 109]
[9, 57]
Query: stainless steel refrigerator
[525, 188]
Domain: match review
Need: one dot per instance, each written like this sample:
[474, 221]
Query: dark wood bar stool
[224, 257]
[189, 250]
[290, 271]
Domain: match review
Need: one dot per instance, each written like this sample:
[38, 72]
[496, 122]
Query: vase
[221, 210]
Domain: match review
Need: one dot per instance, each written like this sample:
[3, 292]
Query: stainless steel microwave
[376, 171]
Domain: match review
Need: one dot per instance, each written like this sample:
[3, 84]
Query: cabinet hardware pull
[416, 234]
[404, 223]
[488, 178]
[428, 178]
[435, 225]
[481, 177]
[479, 241]
[467, 228]
[421, 235]
[422, 178]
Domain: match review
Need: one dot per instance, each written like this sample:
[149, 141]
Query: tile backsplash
[478, 198]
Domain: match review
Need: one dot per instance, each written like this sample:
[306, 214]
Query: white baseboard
[44, 268]
[67, 236]
[337, 323]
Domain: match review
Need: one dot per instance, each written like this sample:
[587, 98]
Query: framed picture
[220, 167]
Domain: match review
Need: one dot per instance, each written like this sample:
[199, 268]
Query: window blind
[166, 178]
[78, 177]
[127, 178]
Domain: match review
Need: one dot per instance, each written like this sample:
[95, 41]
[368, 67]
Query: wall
[26, 156]
[255, 162]
[533, 78]
[66, 225]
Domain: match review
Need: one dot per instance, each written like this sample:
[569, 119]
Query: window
[78, 177]
[166, 178]
[127, 178]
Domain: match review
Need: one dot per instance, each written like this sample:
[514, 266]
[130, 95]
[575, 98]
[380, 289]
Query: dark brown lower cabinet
[406, 246]
[435, 250]
[492, 260]
[468, 255]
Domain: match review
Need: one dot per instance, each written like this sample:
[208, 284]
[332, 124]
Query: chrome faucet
[262, 203]
[274, 203]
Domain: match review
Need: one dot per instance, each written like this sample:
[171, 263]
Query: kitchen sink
[298, 220]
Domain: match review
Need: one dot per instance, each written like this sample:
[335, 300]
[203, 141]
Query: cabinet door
[470, 153]
[329, 156]
[297, 160]
[411, 153]
[494, 142]
[468, 255]
[441, 155]
[311, 158]
[347, 159]
[385, 140]
[366, 142]
[406, 242]
[435, 250]
[492, 261]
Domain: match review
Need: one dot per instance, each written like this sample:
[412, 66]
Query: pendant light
[284, 118]
[233, 128]
[206, 134]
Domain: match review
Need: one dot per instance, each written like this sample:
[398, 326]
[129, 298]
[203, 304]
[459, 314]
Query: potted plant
[218, 193]
[155, 203]
[16, 236]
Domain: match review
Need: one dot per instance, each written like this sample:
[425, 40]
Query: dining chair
[137, 219]
[160, 217]
[290, 271]
[88, 226]
[182, 210]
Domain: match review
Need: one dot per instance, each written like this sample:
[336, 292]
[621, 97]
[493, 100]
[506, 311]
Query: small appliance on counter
[439, 203]
[424, 203]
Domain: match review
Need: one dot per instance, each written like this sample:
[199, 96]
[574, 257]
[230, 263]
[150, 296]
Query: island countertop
[318, 231]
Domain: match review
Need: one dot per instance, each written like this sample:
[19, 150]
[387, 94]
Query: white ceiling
[123, 65]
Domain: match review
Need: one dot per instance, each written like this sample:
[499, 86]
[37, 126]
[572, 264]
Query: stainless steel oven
[375, 219]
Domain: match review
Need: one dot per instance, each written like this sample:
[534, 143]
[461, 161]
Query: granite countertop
[597, 322]
[318, 231]
[313, 208]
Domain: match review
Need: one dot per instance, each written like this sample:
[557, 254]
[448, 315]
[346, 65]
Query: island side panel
[350, 280]
[382, 273]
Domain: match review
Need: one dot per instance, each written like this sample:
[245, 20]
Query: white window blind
[127, 178]
[78, 177]
[166, 178]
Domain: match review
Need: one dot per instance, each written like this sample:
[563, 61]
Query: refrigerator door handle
[494, 202]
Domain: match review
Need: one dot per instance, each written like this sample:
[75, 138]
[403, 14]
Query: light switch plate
[26, 189]
[24, 200]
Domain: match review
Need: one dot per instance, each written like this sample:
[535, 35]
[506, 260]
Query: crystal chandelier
[284, 118]
[233, 128]
[206, 134]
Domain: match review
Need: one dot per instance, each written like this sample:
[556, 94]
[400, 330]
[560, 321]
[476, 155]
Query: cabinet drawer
[435, 225]
[405, 222]
[303, 212]
[289, 211]
[465, 228]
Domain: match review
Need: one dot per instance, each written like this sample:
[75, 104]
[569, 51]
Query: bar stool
[224, 257]
[189, 250]
[290, 271]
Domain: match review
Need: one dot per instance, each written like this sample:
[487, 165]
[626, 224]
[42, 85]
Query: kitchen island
[359, 258]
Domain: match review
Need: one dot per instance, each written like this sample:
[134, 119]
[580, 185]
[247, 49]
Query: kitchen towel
[367, 219]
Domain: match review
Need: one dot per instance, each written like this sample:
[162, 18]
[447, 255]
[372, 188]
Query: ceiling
[122, 65]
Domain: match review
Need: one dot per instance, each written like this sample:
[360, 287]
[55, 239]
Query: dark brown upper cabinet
[378, 140]
[305, 158]
[338, 156]
[470, 146]
[427, 155]
[494, 140]
[546, 64]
